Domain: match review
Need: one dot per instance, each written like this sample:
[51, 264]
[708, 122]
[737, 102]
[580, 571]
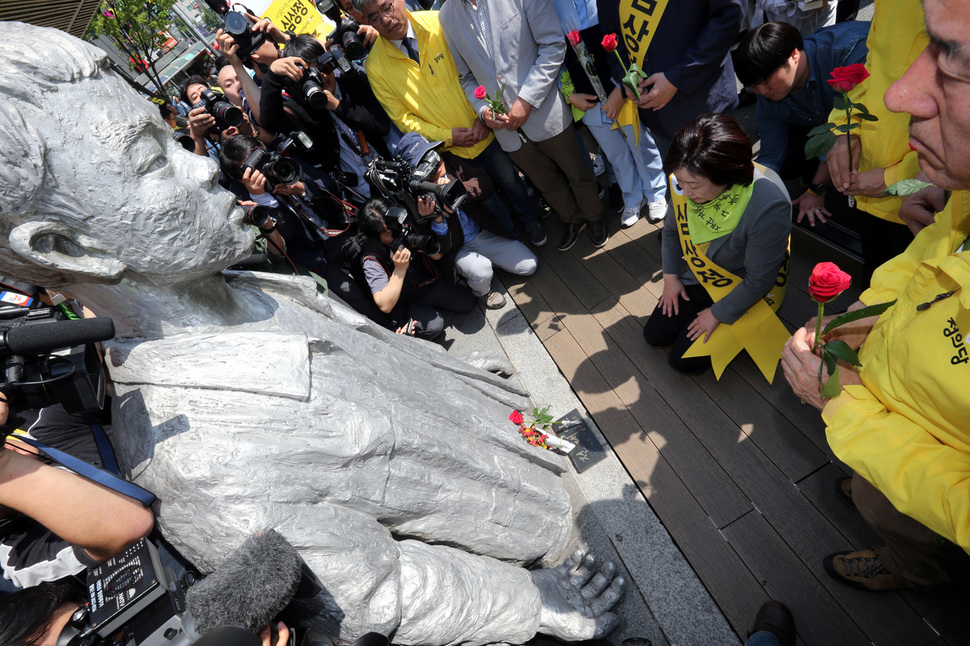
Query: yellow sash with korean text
[759, 330]
[638, 24]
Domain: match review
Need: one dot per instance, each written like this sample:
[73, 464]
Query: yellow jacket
[425, 98]
[905, 430]
[896, 38]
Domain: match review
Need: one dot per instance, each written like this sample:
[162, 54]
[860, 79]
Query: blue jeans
[500, 167]
[762, 638]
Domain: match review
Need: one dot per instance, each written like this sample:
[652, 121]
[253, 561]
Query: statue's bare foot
[577, 597]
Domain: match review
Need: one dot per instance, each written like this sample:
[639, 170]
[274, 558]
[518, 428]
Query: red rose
[480, 92]
[574, 38]
[516, 417]
[827, 281]
[845, 78]
[609, 42]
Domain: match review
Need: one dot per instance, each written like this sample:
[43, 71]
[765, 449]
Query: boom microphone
[47, 337]
[250, 588]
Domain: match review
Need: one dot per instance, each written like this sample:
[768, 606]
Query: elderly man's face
[388, 17]
[936, 92]
[142, 198]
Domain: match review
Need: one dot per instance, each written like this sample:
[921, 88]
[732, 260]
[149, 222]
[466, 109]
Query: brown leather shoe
[775, 618]
[862, 569]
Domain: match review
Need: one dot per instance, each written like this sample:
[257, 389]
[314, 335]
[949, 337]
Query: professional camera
[48, 359]
[311, 87]
[345, 34]
[225, 113]
[275, 167]
[406, 236]
[396, 179]
[258, 216]
[240, 27]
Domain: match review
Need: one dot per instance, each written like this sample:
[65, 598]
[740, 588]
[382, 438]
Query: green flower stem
[848, 121]
[818, 336]
[626, 71]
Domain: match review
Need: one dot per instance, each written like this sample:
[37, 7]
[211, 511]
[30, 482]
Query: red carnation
[480, 92]
[845, 78]
[827, 281]
[609, 42]
[516, 417]
[574, 38]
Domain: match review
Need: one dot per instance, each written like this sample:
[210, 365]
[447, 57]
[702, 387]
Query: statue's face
[146, 201]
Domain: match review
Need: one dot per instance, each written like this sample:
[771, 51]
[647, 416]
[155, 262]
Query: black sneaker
[597, 232]
[570, 235]
[544, 209]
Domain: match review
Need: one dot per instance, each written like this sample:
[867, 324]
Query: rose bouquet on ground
[538, 432]
[634, 73]
[822, 138]
[827, 282]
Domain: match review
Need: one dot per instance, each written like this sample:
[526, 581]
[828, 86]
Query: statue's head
[93, 188]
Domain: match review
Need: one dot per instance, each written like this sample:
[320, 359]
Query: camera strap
[92, 473]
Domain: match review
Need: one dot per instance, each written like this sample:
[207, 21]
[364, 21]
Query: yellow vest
[425, 98]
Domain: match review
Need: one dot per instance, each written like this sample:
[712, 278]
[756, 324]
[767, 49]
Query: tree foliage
[139, 29]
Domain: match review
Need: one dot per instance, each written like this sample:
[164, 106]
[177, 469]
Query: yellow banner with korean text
[638, 24]
[298, 16]
[759, 331]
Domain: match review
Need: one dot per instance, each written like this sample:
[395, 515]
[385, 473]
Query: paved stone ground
[665, 601]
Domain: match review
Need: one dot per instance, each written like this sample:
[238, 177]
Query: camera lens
[285, 170]
[227, 112]
[352, 45]
[236, 23]
[315, 96]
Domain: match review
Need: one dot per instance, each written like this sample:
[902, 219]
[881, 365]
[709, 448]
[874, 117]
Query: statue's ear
[51, 245]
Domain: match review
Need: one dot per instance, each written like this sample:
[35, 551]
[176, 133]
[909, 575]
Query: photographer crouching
[398, 264]
[473, 250]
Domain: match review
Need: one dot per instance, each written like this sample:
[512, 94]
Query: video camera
[48, 359]
[225, 113]
[134, 600]
[398, 180]
[406, 236]
[345, 34]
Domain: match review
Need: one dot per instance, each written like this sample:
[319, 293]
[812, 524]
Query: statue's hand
[577, 598]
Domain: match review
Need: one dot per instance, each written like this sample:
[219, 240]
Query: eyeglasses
[383, 11]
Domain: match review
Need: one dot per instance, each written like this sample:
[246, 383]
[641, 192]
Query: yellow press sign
[298, 16]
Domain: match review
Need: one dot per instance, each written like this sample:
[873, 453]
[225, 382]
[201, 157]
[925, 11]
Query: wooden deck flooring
[737, 470]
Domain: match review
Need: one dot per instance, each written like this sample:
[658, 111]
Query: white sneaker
[657, 211]
[629, 217]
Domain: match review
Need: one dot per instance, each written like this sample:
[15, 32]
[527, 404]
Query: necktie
[411, 45]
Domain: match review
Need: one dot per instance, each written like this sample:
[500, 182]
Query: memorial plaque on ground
[588, 451]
